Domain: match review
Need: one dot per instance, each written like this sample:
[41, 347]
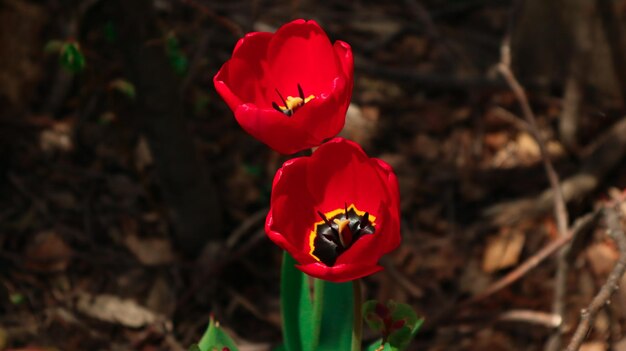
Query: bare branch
[588, 315]
[560, 210]
[582, 224]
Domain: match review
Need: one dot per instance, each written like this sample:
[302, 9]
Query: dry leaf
[113, 309]
[503, 250]
[602, 258]
[360, 124]
[593, 346]
[150, 251]
[48, 252]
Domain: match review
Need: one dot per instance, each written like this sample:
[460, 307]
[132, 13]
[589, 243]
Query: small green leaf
[194, 347]
[396, 322]
[110, 32]
[71, 57]
[178, 59]
[123, 86]
[373, 320]
[215, 338]
[375, 346]
[16, 298]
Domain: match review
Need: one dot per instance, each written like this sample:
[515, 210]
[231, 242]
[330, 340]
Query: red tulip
[288, 89]
[336, 212]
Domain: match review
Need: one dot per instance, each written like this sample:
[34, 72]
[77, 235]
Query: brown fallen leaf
[593, 346]
[503, 250]
[116, 310]
[602, 257]
[48, 252]
[150, 251]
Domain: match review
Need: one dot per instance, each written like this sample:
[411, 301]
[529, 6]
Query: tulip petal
[291, 225]
[301, 53]
[344, 174]
[267, 68]
[339, 273]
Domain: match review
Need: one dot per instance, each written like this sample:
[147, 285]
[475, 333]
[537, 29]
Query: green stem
[318, 304]
[357, 323]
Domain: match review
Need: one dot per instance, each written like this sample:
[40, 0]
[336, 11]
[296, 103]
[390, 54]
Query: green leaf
[71, 57]
[400, 327]
[178, 59]
[296, 306]
[110, 32]
[337, 317]
[372, 319]
[194, 347]
[214, 338]
[375, 346]
[401, 338]
[16, 298]
[123, 86]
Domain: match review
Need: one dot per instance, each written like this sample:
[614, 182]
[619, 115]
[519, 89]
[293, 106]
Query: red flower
[288, 89]
[336, 212]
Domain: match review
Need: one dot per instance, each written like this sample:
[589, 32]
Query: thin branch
[560, 210]
[612, 30]
[547, 320]
[603, 297]
[582, 224]
[559, 201]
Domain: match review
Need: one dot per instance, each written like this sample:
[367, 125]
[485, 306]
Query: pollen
[292, 103]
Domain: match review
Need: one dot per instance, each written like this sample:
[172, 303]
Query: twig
[600, 158]
[548, 320]
[253, 221]
[509, 117]
[401, 279]
[421, 13]
[431, 81]
[612, 30]
[560, 210]
[581, 224]
[587, 315]
[231, 26]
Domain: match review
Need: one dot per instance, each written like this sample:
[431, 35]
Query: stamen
[281, 97]
[328, 223]
[275, 106]
[291, 104]
[338, 231]
[300, 92]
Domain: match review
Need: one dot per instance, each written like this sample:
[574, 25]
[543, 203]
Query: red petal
[243, 76]
[275, 129]
[344, 55]
[292, 212]
[345, 175]
[339, 273]
[370, 248]
[301, 53]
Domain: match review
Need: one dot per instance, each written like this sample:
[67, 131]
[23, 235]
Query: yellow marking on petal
[332, 214]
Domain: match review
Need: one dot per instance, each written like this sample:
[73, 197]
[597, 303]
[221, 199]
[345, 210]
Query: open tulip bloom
[288, 89]
[336, 212]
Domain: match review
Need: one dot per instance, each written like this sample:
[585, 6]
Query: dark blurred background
[132, 204]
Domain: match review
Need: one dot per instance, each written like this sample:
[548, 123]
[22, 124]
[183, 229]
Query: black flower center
[337, 231]
[291, 104]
